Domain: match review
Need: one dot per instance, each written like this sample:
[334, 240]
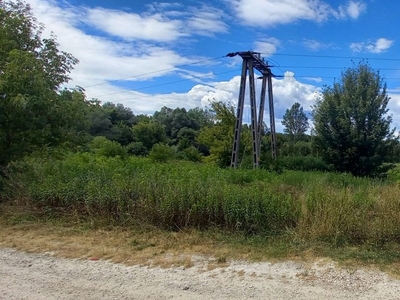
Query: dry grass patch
[75, 237]
[65, 236]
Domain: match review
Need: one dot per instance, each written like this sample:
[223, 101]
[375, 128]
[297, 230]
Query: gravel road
[43, 276]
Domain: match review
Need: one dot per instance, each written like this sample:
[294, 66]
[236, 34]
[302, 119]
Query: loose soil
[45, 276]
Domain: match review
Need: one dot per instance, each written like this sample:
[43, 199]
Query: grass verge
[73, 236]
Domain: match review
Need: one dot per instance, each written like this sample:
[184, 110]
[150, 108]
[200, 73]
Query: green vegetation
[32, 106]
[62, 152]
[337, 208]
[295, 122]
[352, 128]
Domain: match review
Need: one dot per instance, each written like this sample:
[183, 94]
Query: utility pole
[252, 60]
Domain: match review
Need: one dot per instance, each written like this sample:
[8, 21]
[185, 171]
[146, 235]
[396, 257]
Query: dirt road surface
[43, 276]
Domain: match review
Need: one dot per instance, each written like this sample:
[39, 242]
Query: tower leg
[272, 117]
[239, 116]
[254, 126]
[261, 111]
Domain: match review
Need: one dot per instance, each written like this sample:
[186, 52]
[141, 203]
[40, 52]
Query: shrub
[102, 146]
[192, 154]
[161, 153]
[137, 148]
[299, 163]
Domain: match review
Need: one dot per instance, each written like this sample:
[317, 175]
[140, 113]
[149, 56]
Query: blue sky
[147, 54]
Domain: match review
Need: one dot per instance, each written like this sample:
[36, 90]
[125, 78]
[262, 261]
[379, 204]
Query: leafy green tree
[295, 121]
[200, 118]
[219, 137]
[352, 125]
[120, 114]
[149, 134]
[112, 121]
[137, 148]
[33, 112]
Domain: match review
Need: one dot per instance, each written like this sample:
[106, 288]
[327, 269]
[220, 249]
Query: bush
[137, 148]
[102, 146]
[161, 153]
[299, 163]
[192, 154]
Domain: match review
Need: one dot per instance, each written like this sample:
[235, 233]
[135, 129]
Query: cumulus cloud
[379, 46]
[286, 92]
[267, 46]
[272, 12]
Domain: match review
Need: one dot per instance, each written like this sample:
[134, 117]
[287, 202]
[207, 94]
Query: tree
[219, 137]
[149, 134]
[295, 121]
[352, 127]
[34, 113]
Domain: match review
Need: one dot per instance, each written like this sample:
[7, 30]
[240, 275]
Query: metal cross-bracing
[252, 60]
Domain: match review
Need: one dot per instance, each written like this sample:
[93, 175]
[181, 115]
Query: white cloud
[315, 45]
[394, 107]
[267, 46]
[355, 8]
[131, 26]
[272, 12]
[104, 59]
[161, 26]
[380, 45]
[315, 79]
[206, 21]
[286, 92]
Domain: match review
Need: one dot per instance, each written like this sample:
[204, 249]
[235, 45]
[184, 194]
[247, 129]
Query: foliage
[299, 163]
[352, 128]
[219, 137]
[295, 121]
[299, 148]
[149, 134]
[161, 153]
[33, 112]
[137, 148]
[112, 121]
[192, 154]
[102, 146]
[336, 208]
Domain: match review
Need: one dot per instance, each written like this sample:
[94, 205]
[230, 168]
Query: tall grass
[337, 208]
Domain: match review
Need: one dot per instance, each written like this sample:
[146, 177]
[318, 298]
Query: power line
[154, 72]
[227, 83]
[165, 83]
[333, 56]
[330, 68]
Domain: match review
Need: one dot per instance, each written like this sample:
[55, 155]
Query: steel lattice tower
[252, 60]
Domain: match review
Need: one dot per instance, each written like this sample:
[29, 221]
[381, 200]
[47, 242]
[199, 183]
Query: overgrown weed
[337, 209]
